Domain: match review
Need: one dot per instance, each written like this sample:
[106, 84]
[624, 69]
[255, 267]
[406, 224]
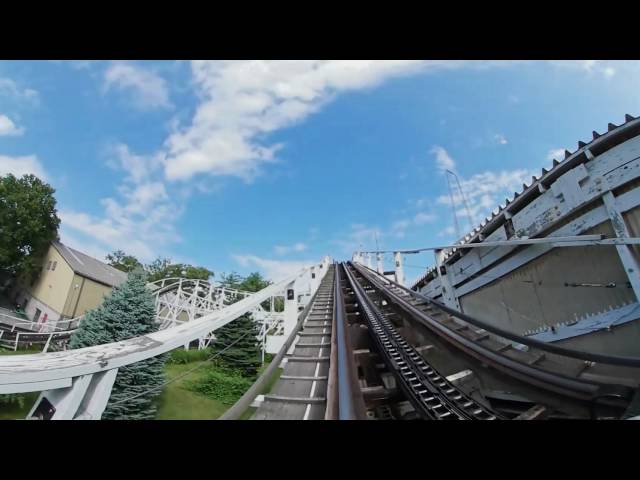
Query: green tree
[163, 268]
[254, 283]
[231, 280]
[244, 355]
[129, 311]
[122, 261]
[28, 224]
[158, 269]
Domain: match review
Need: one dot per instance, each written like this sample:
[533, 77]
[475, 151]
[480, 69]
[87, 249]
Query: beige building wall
[52, 287]
[84, 295]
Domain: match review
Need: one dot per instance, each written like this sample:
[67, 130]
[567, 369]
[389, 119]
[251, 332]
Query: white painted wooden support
[258, 401]
[66, 401]
[448, 292]
[379, 265]
[369, 265]
[397, 257]
[627, 258]
[35, 386]
[97, 396]
[568, 187]
[46, 345]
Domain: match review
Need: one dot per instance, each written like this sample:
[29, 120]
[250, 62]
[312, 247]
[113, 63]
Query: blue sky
[243, 166]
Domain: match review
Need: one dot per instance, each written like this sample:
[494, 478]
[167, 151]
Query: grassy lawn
[178, 403]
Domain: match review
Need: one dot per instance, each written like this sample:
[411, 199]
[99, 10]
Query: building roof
[89, 267]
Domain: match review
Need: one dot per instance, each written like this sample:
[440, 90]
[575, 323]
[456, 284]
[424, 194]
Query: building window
[53, 267]
[49, 265]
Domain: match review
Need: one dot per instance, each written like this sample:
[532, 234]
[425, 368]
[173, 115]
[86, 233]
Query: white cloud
[399, 227]
[500, 139]
[142, 221]
[82, 64]
[274, 270]
[137, 167]
[140, 232]
[244, 100]
[148, 89]
[11, 89]
[484, 192]
[285, 249]
[359, 236]
[606, 68]
[443, 159]
[8, 128]
[423, 217]
[21, 166]
[556, 153]
[447, 232]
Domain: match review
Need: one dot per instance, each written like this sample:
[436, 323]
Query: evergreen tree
[129, 311]
[245, 355]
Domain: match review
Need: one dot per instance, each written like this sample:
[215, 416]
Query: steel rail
[332, 409]
[552, 381]
[348, 390]
[431, 394]
[619, 360]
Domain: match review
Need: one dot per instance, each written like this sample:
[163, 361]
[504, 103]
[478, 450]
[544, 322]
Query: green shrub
[182, 356]
[13, 399]
[222, 384]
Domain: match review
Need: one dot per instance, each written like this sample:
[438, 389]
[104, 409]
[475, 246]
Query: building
[71, 283]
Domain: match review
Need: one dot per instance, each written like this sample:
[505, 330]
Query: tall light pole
[464, 198]
[453, 206]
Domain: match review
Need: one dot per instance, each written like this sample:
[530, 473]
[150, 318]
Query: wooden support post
[627, 258]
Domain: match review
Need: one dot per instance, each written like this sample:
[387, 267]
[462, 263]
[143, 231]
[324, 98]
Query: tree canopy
[164, 268]
[123, 262]
[253, 282]
[158, 269]
[28, 223]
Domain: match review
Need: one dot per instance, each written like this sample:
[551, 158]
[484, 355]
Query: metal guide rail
[301, 391]
[578, 379]
[431, 394]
